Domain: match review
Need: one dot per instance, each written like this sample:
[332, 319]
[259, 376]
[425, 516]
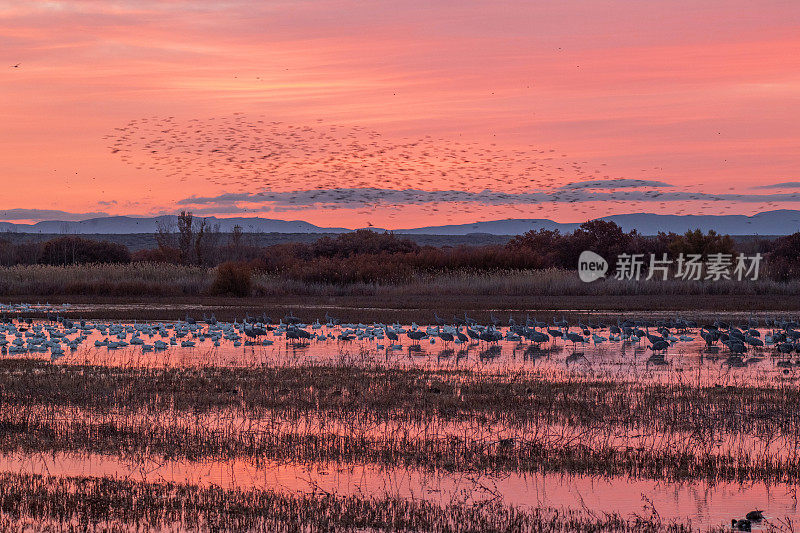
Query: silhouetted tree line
[367, 256]
[784, 258]
[609, 240]
[67, 250]
[193, 242]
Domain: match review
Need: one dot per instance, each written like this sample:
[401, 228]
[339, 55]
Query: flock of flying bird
[54, 334]
[263, 164]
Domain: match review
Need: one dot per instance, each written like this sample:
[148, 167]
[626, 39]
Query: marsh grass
[104, 504]
[409, 394]
[105, 279]
[449, 420]
[478, 451]
[163, 279]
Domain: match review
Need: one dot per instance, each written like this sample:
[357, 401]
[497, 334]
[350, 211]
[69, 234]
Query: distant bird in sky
[15, 66]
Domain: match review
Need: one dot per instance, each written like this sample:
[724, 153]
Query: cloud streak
[361, 197]
[615, 184]
[47, 214]
[782, 185]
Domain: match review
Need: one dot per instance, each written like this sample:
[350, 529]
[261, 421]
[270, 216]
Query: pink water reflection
[704, 504]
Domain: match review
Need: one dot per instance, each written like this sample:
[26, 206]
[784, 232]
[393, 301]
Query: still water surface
[687, 359]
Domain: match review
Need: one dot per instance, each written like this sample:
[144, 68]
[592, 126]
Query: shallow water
[685, 361]
[702, 503]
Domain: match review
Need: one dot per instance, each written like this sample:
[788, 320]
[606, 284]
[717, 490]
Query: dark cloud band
[359, 197]
[615, 184]
[41, 214]
[782, 185]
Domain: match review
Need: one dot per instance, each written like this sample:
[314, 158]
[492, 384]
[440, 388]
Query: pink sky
[706, 99]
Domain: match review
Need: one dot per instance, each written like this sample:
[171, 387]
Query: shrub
[76, 250]
[362, 242]
[695, 242]
[784, 259]
[233, 278]
[157, 255]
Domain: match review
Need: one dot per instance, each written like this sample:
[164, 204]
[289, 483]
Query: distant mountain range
[780, 222]
[118, 225]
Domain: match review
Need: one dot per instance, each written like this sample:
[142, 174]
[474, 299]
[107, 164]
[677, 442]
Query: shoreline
[420, 308]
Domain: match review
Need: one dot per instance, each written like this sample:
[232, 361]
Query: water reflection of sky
[704, 504]
[688, 361]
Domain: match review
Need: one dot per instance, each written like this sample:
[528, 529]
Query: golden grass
[161, 279]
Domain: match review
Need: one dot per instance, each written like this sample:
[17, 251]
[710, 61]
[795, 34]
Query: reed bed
[477, 450]
[144, 279]
[452, 421]
[448, 420]
[378, 393]
[556, 282]
[141, 279]
[106, 504]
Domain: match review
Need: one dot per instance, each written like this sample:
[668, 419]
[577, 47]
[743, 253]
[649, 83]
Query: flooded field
[663, 423]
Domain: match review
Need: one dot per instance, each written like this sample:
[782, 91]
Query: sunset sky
[398, 114]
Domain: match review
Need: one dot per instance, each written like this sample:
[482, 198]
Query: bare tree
[199, 241]
[237, 236]
[164, 236]
[211, 244]
[186, 237]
